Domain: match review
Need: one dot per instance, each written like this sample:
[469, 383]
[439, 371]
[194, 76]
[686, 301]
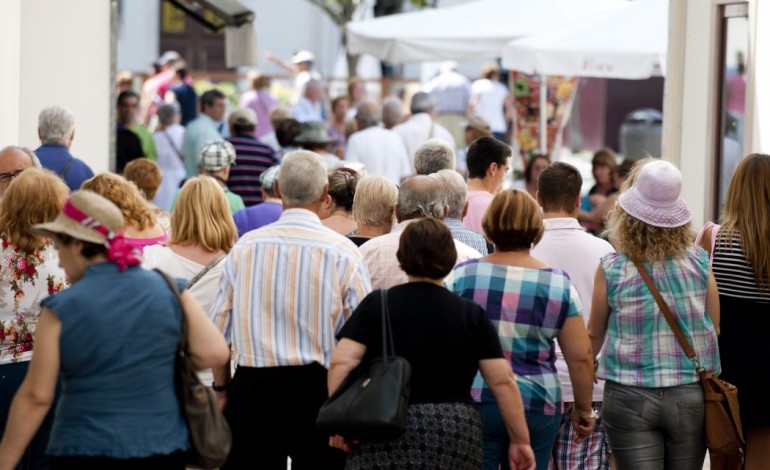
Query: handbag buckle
[365, 383]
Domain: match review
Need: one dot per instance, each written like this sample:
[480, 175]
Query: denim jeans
[655, 428]
[542, 435]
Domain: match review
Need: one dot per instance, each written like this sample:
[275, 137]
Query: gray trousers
[655, 428]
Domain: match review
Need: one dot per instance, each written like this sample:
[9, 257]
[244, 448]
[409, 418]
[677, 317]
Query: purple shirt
[254, 217]
[261, 102]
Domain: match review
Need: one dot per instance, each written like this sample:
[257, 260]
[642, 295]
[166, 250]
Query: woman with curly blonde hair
[653, 402]
[142, 229]
[29, 272]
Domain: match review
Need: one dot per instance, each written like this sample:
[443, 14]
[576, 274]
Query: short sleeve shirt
[528, 307]
[640, 348]
[441, 335]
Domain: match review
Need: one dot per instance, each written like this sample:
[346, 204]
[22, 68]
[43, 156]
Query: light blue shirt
[199, 131]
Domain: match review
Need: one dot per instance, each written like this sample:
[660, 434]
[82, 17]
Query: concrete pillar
[57, 53]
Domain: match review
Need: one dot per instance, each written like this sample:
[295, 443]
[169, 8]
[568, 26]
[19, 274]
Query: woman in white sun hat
[653, 403]
[112, 338]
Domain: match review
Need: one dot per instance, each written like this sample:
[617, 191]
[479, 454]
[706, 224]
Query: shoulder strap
[204, 271]
[183, 348]
[387, 333]
[66, 168]
[688, 350]
[173, 145]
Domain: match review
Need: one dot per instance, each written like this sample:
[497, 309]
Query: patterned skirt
[440, 435]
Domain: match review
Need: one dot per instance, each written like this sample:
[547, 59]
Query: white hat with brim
[654, 198]
[96, 207]
[302, 56]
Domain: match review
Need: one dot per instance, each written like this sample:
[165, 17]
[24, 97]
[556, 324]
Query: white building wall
[138, 35]
[56, 53]
[691, 98]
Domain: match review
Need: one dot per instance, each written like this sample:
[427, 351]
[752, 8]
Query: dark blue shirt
[56, 157]
[252, 158]
[188, 102]
[117, 353]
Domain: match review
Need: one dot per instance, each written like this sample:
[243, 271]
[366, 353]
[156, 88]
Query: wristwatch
[220, 388]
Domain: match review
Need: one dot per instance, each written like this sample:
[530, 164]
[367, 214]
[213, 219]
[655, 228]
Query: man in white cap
[252, 156]
[156, 86]
[301, 67]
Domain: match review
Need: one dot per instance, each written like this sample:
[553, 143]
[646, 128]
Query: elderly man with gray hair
[433, 156]
[14, 160]
[456, 193]
[380, 150]
[421, 126]
[418, 197]
[288, 289]
[56, 129]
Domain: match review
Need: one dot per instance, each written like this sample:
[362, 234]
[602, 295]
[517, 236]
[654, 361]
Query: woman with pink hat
[653, 403]
[112, 338]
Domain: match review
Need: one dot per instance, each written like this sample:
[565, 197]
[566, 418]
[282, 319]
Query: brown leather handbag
[724, 433]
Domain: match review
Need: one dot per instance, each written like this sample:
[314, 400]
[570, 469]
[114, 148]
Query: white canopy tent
[473, 30]
[628, 42]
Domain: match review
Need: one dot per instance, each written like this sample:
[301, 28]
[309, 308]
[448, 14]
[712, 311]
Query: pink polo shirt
[477, 205]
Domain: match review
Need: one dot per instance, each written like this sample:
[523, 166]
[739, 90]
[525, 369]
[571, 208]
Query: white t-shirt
[565, 245]
[381, 151]
[177, 266]
[491, 97]
[169, 146]
[420, 127]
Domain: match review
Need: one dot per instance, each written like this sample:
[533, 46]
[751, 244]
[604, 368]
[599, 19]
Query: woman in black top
[446, 339]
[741, 264]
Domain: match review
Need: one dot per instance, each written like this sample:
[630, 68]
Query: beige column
[57, 53]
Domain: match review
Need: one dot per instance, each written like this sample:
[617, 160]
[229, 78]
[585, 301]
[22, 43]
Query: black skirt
[440, 435]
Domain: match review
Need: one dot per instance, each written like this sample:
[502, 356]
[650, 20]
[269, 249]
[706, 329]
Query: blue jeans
[542, 435]
[655, 428]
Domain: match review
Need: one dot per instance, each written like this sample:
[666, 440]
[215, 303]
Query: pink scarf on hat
[118, 251]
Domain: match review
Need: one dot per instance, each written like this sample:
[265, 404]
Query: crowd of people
[533, 343]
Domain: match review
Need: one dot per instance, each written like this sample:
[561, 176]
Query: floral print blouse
[26, 278]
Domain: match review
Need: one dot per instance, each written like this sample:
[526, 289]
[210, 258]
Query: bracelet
[220, 388]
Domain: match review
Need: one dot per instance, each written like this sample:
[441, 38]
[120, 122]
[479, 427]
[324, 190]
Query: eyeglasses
[6, 177]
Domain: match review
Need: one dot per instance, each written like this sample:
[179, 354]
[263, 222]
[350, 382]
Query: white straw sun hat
[654, 198]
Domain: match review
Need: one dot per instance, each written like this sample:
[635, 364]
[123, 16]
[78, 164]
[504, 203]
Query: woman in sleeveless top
[653, 408]
[741, 263]
[141, 227]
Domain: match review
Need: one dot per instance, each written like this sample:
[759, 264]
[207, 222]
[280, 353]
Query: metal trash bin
[641, 134]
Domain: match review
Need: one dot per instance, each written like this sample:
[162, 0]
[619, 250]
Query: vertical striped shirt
[287, 290]
[640, 348]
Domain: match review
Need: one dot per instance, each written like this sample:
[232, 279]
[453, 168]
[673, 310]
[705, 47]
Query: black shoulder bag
[372, 401]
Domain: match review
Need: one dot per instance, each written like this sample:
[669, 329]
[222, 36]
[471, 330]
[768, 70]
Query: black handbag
[372, 401]
[210, 438]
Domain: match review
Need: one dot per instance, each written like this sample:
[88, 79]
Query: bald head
[421, 196]
[13, 160]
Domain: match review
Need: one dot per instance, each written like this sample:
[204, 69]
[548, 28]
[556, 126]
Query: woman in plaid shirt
[653, 404]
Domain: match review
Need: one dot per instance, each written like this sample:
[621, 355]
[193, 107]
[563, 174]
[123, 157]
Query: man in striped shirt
[252, 157]
[287, 290]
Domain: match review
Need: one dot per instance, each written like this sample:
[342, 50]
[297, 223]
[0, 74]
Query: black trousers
[272, 413]
[173, 461]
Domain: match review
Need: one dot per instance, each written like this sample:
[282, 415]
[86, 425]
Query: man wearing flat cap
[216, 159]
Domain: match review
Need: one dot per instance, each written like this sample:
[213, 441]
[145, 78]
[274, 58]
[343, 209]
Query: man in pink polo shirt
[488, 161]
